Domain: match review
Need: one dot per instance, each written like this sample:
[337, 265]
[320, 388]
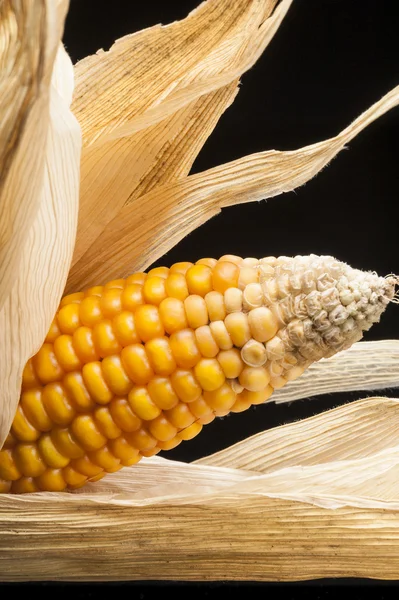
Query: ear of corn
[139, 365]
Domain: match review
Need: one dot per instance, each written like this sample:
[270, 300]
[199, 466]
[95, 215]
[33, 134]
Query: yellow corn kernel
[105, 339]
[50, 454]
[83, 344]
[65, 444]
[51, 481]
[160, 355]
[95, 290]
[200, 408]
[209, 374]
[97, 477]
[73, 478]
[121, 448]
[29, 377]
[185, 385]
[68, 318]
[184, 348]
[263, 324]
[136, 364]
[25, 485]
[247, 275]
[111, 302]
[254, 353]
[115, 375]
[141, 404]
[254, 379]
[115, 284]
[221, 399]
[125, 328]
[95, 383]
[249, 261]
[65, 352]
[257, 397]
[154, 290]
[9, 442]
[5, 486]
[131, 461]
[149, 453]
[106, 423]
[28, 460]
[196, 311]
[209, 262]
[205, 342]
[22, 429]
[53, 332]
[138, 278]
[8, 468]
[176, 286]
[232, 258]
[190, 432]
[233, 300]
[253, 296]
[275, 368]
[240, 405]
[225, 275]
[105, 459]
[162, 393]
[87, 434]
[215, 305]
[141, 440]
[162, 429]
[170, 444]
[75, 298]
[86, 467]
[180, 267]
[199, 279]
[221, 335]
[78, 392]
[180, 416]
[46, 365]
[173, 315]
[123, 415]
[277, 382]
[205, 420]
[32, 405]
[238, 328]
[275, 348]
[158, 272]
[132, 297]
[148, 322]
[90, 311]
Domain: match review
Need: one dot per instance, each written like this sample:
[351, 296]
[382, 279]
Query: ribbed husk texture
[312, 499]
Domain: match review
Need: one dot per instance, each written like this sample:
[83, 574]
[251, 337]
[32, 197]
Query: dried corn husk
[311, 499]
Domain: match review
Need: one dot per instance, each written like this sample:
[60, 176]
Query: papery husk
[316, 498]
[143, 231]
[42, 184]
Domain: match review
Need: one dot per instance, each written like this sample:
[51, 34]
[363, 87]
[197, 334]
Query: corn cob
[139, 365]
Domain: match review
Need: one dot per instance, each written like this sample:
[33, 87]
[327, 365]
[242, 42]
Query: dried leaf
[46, 254]
[172, 83]
[143, 232]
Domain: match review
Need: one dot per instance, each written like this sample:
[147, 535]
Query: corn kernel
[78, 392]
[205, 342]
[185, 385]
[209, 374]
[75, 298]
[148, 322]
[87, 434]
[10, 441]
[68, 318]
[160, 355]
[121, 448]
[158, 272]
[254, 379]
[170, 444]
[257, 397]
[115, 375]
[215, 305]
[95, 290]
[73, 478]
[277, 382]
[233, 300]
[132, 297]
[161, 429]
[238, 328]
[125, 328]
[221, 335]
[83, 344]
[106, 423]
[231, 258]
[29, 377]
[225, 275]
[173, 315]
[65, 352]
[50, 454]
[176, 286]
[51, 481]
[249, 261]
[199, 279]
[136, 364]
[65, 444]
[28, 460]
[86, 467]
[180, 416]
[240, 405]
[263, 324]
[253, 295]
[196, 311]
[162, 393]
[32, 406]
[105, 339]
[8, 468]
[142, 405]
[115, 284]
[149, 453]
[97, 477]
[90, 311]
[105, 459]
[190, 432]
[275, 348]
[209, 262]
[154, 290]
[22, 429]
[25, 485]
[204, 420]
[254, 353]
[180, 267]
[111, 302]
[294, 373]
[200, 408]
[184, 348]
[123, 415]
[5, 486]
[275, 368]
[95, 383]
[57, 405]
[222, 398]
[138, 278]
[247, 275]
[53, 332]
[46, 365]
[141, 440]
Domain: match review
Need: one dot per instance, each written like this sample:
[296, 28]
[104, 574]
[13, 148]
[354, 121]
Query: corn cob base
[139, 365]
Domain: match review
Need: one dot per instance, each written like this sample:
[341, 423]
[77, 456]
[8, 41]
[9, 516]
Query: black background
[329, 61]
